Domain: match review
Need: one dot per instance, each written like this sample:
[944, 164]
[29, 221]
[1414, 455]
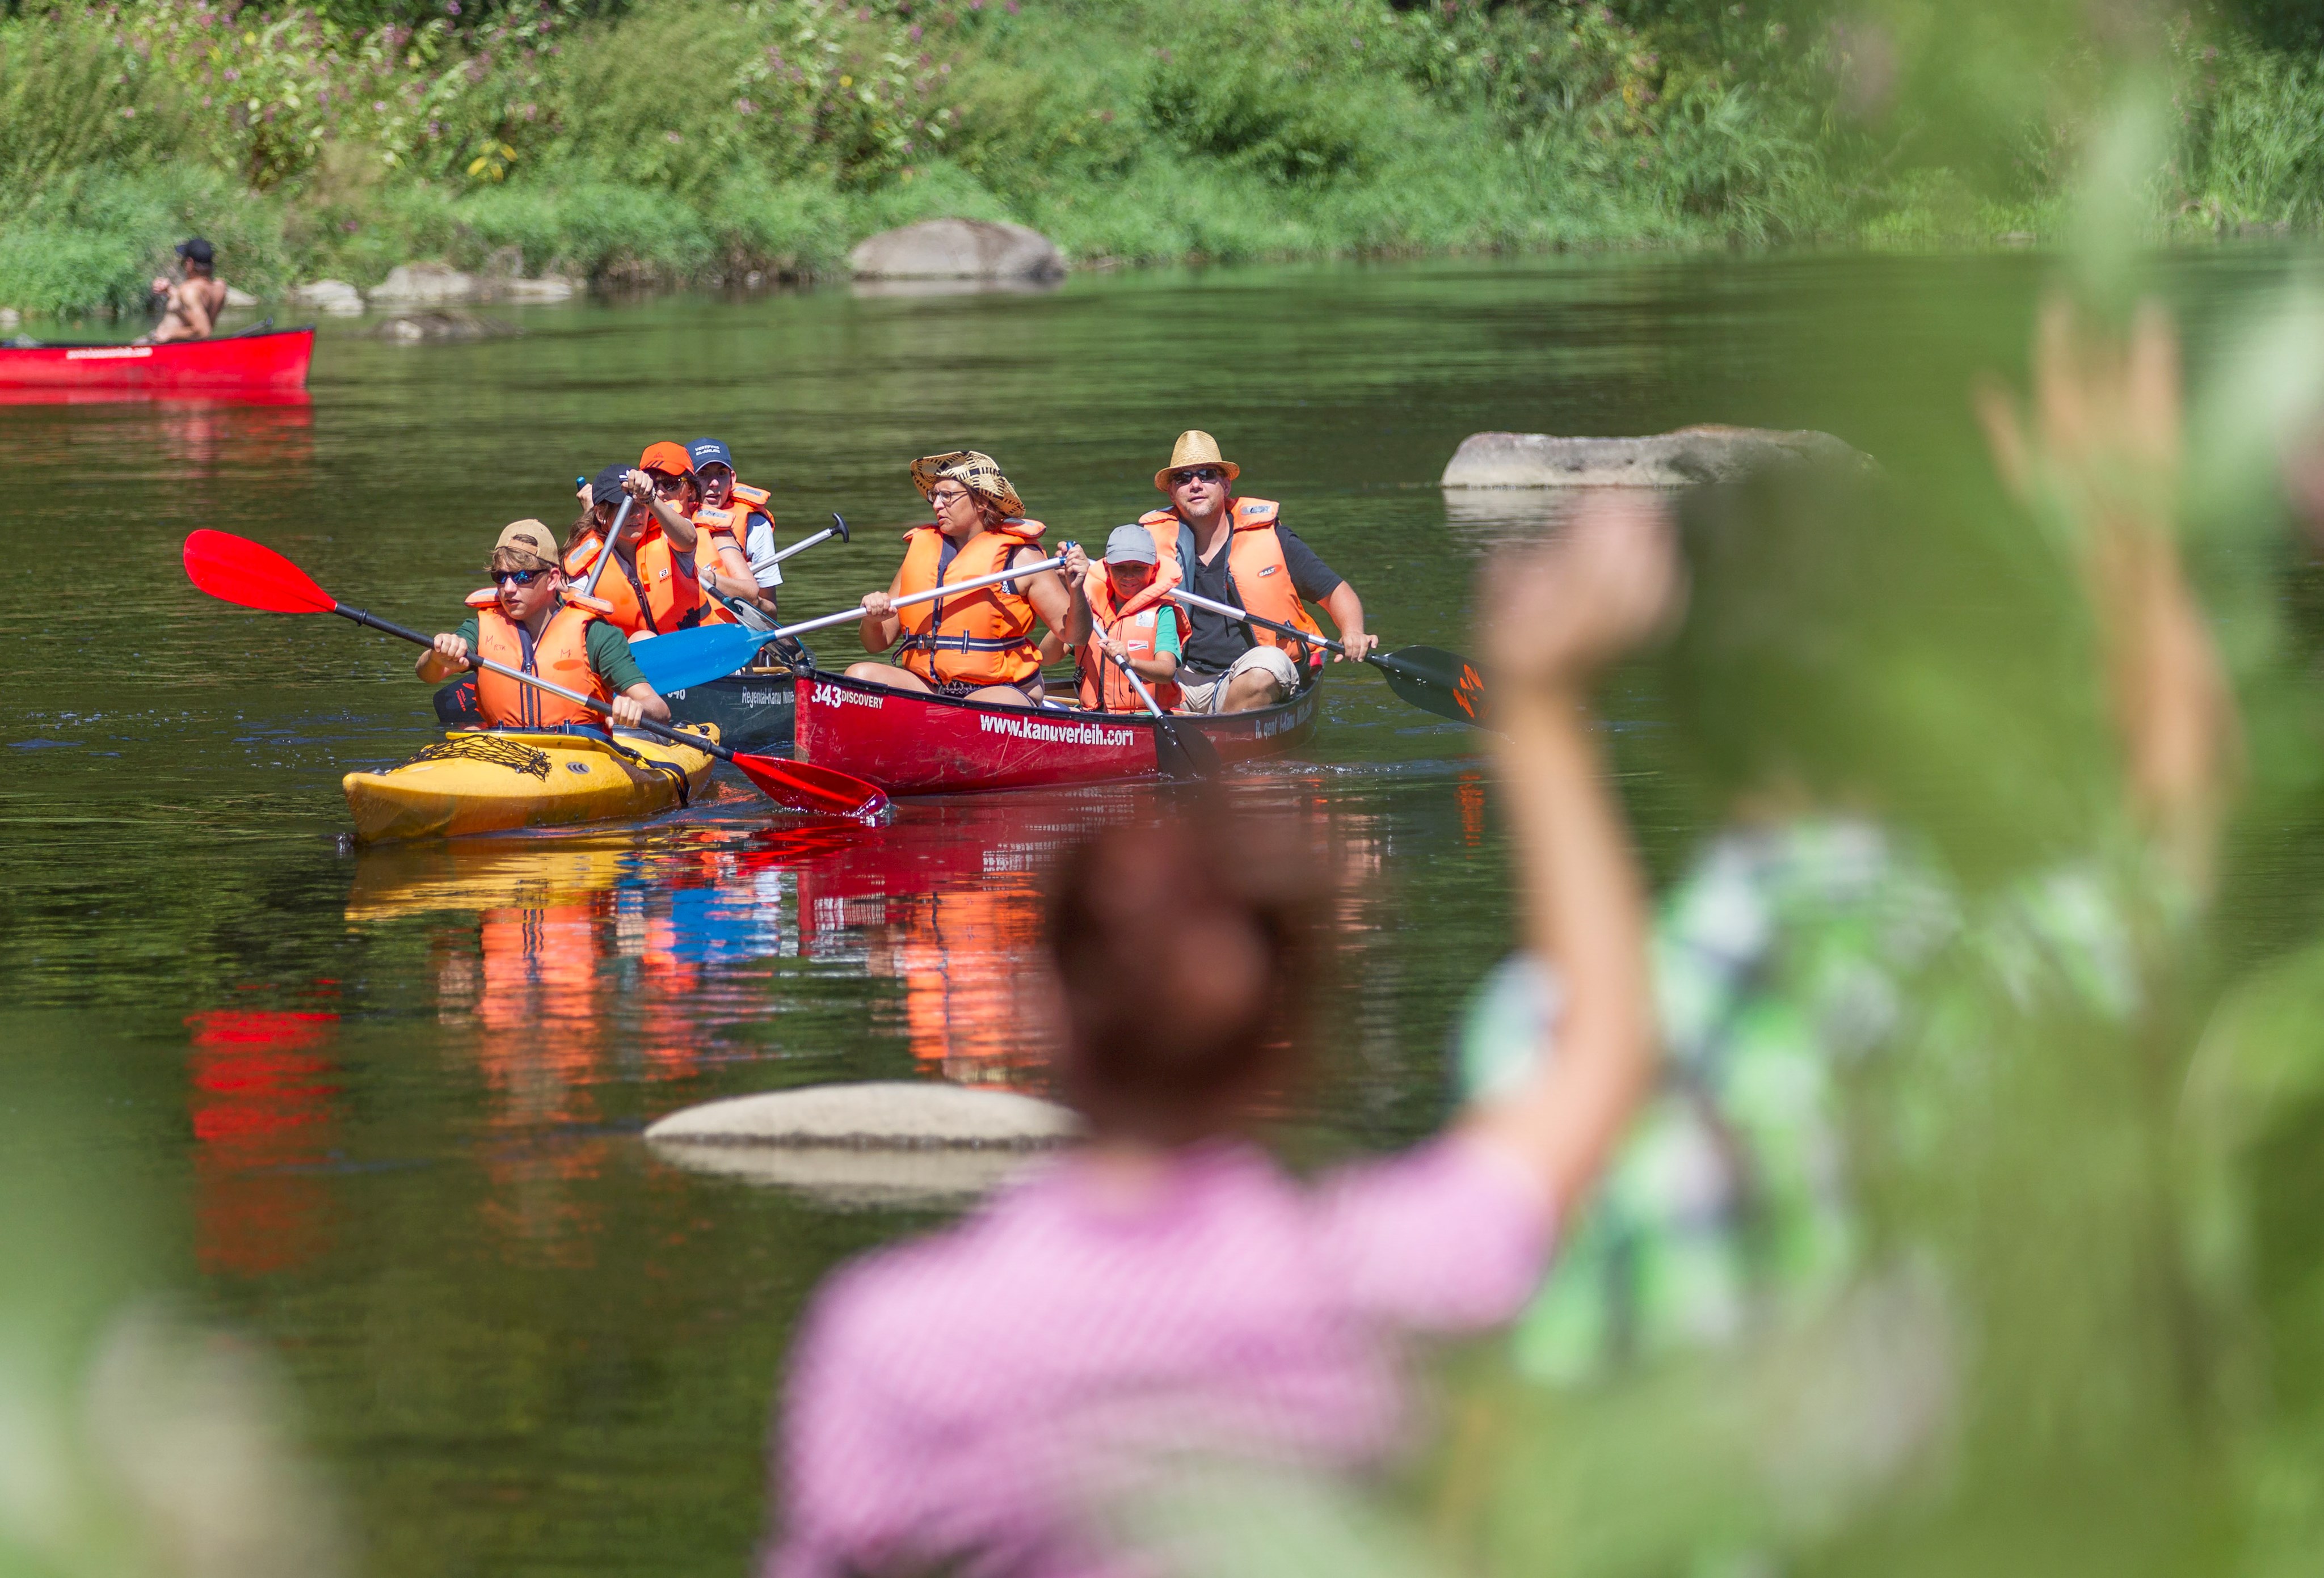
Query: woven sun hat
[528, 540]
[1195, 447]
[971, 468]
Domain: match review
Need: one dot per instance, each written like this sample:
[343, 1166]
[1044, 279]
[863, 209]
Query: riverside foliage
[675, 141]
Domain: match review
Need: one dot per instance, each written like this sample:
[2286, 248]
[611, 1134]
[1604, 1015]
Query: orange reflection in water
[263, 1115]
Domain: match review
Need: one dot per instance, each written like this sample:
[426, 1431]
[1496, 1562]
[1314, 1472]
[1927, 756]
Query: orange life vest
[560, 657]
[674, 595]
[1104, 687]
[1258, 578]
[984, 637]
[711, 528]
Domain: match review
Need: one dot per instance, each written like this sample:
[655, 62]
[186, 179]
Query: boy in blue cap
[728, 505]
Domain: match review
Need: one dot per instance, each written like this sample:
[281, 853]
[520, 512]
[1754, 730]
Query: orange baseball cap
[669, 459]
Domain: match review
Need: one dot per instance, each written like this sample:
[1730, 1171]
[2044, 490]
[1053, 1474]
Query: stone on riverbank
[1665, 460]
[957, 249]
[335, 297]
[423, 285]
[882, 1142]
[9, 319]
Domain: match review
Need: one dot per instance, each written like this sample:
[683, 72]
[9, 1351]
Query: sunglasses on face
[518, 577]
[668, 487]
[1200, 473]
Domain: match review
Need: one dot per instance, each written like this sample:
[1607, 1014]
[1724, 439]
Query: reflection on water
[261, 1098]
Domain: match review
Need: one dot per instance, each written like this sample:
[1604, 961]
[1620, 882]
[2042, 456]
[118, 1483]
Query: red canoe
[269, 364]
[909, 743]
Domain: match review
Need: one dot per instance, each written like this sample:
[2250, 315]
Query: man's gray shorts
[1200, 695]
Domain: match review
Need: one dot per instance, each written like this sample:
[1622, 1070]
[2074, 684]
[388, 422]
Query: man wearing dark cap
[190, 306]
[741, 512]
[522, 621]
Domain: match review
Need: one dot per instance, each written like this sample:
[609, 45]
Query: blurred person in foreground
[1165, 1296]
[1960, 849]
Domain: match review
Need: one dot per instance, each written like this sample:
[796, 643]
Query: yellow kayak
[475, 781]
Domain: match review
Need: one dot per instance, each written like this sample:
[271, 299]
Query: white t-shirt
[759, 546]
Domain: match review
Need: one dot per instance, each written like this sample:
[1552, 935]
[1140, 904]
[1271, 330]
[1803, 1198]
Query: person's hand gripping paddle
[236, 569]
[1429, 677]
[708, 652]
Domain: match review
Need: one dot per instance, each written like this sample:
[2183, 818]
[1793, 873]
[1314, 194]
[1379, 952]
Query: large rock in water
[1665, 460]
[957, 249]
[881, 1143]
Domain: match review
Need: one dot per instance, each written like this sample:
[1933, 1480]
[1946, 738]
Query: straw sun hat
[972, 469]
[1195, 447]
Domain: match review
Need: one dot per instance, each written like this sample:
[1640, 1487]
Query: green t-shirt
[609, 654]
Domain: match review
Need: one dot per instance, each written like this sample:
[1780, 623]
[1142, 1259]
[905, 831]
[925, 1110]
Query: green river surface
[380, 1109]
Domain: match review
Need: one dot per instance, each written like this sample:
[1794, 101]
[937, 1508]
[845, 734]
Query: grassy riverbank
[694, 140]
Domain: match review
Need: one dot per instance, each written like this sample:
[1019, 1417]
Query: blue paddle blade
[696, 657]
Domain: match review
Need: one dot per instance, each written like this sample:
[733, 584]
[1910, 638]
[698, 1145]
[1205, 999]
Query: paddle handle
[1244, 616]
[837, 530]
[605, 549]
[1144, 696]
[843, 614]
[645, 725]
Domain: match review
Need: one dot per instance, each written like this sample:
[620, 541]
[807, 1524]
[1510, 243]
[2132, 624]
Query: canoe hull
[479, 782]
[267, 364]
[754, 713]
[909, 743]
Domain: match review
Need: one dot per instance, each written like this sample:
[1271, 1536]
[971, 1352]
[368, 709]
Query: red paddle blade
[804, 786]
[234, 569]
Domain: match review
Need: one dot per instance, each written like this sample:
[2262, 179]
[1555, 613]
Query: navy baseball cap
[606, 486]
[710, 452]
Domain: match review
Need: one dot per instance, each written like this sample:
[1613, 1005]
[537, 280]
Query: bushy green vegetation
[698, 140]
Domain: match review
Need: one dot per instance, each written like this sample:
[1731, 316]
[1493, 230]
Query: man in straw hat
[523, 622]
[980, 645]
[1236, 550]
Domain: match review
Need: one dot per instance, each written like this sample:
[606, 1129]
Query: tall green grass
[672, 140]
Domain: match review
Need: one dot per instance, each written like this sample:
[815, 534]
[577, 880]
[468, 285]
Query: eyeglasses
[668, 487]
[518, 577]
[1200, 473]
[942, 500]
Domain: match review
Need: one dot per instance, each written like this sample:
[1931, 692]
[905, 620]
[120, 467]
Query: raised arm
[1554, 618]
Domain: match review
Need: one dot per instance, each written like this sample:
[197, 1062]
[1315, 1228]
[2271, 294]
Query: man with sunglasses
[522, 620]
[1235, 550]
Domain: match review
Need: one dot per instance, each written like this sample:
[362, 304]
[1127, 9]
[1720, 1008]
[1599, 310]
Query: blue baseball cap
[710, 452]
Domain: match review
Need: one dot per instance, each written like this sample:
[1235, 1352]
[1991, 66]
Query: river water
[382, 1106]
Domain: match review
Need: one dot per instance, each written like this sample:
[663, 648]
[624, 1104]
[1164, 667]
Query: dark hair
[1185, 951]
[583, 527]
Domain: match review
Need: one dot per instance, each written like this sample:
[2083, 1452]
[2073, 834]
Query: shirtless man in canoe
[190, 306]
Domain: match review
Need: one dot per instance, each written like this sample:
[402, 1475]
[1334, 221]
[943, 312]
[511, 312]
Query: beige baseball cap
[530, 538]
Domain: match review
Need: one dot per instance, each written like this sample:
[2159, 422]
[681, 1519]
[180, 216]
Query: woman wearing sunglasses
[1235, 550]
[522, 620]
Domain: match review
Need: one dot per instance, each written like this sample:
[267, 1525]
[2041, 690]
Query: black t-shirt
[1214, 641]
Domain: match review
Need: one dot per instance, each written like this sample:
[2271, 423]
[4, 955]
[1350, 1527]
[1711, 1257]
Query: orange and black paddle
[236, 569]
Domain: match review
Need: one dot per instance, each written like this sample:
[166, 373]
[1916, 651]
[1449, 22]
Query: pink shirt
[970, 1396]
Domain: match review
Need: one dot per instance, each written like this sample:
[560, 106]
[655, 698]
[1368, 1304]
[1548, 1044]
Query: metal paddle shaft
[588, 596]
[1429, 677]
[837, 528]
[709, 652]
[1180, 752]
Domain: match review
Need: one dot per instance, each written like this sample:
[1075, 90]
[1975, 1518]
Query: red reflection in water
[262, 1109]
[1472, 810]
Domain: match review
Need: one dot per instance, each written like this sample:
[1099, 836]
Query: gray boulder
[238, 297]
[1664, 460]
[336, 297]
[412, 327]
[957, 249]
[423, 285]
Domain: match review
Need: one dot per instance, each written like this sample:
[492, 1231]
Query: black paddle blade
[1182, 750]
[1435, 681]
